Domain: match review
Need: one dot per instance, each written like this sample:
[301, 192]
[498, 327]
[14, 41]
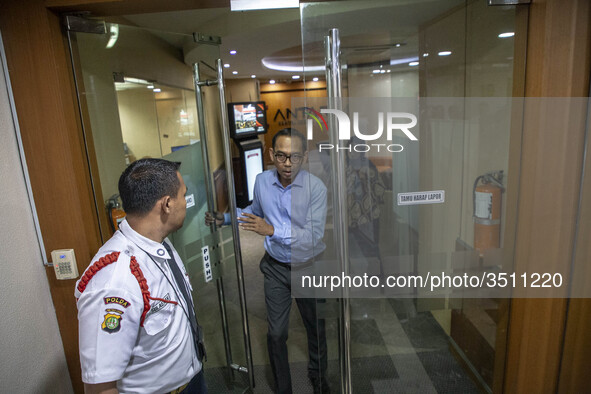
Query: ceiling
[369, 33]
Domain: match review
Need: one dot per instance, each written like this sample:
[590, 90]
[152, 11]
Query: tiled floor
[394, 348]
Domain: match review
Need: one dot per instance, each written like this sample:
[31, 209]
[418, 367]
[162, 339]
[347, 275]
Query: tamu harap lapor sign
[416, 198]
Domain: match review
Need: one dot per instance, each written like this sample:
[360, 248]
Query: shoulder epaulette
[96, 267]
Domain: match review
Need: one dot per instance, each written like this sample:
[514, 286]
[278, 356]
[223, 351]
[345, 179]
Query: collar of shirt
[298, 181]
[147, 245]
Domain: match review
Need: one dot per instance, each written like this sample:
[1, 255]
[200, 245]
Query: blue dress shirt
[296, 212]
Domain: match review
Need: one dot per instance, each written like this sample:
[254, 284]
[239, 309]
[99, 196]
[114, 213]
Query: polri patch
[112, 322]
[116, 300]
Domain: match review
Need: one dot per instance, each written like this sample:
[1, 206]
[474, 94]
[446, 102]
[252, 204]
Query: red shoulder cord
[135, 270]
[139, 275]
[96, 267]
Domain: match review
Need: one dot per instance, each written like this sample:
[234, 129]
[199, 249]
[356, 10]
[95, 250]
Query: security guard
[137, 328]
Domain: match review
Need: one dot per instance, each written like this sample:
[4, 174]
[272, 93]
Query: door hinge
[80, 24]
[210, 39]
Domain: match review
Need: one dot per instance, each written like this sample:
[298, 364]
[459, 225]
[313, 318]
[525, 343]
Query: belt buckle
[180, 389]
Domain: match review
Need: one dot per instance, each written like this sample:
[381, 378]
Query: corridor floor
[394, 348]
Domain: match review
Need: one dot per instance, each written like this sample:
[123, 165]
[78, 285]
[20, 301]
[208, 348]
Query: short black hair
[289, 132]
[145, 182]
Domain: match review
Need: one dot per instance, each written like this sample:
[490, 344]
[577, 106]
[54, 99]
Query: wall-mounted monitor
[247, 119]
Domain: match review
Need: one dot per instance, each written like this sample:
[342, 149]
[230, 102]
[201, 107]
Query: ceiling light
[227, 65]
[135, 80]
[233, 52]
[507, 34]
[425, 54]
[114, 35]
[150, 86]
[398, 45]
[234, 72]
[248, 5]
[290, 67]
[405, 60]
[412, 64]
[253, 76]
[315, 79]
[382, 71]
[376, 71]
[389, 71]
[444, 53]
[295, 77]
[157, 90]
[272, 81]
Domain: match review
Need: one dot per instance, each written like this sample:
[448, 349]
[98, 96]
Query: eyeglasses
[296, 158]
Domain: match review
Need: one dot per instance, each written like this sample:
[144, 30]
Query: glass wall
[417, 203]
[137, 99]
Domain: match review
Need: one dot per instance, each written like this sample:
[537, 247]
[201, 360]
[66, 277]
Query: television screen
[247, 119]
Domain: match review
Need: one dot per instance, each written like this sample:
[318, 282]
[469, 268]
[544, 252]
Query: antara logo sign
[392, 120]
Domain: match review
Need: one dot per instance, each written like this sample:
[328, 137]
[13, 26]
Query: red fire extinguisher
[487, 195]
[116, 214]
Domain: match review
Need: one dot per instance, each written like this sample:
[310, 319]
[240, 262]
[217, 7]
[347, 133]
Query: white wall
[33, 359]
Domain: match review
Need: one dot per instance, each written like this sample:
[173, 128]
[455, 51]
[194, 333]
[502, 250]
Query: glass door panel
[137, 99]
[450, 64]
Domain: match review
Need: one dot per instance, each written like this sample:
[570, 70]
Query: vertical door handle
[332, 46]
[232, 199]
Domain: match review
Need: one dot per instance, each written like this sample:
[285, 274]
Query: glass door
[146, 93]
[416, 144]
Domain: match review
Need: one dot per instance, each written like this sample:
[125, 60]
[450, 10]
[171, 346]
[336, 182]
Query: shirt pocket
[159, 317]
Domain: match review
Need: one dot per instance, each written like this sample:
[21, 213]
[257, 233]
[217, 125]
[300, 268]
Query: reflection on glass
[419, 51]
[155, 119]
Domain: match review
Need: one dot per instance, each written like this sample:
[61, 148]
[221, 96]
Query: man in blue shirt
[289, 209]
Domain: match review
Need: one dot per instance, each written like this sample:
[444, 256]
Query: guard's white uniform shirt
[156, 358]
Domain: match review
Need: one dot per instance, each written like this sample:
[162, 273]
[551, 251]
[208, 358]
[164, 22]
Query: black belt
[293, 266]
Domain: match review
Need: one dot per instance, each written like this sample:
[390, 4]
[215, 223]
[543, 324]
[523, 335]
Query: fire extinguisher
[487, 194]
[116, 214]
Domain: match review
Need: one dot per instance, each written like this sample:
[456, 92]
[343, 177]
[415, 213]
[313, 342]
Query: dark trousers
[278, 300]
[196, 385]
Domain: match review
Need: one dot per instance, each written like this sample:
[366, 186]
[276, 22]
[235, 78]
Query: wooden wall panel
[576, 355]
[558, 61]
[45, 101]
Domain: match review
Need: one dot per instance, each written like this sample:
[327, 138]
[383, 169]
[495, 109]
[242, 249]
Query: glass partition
[137, 100]
[429, 154]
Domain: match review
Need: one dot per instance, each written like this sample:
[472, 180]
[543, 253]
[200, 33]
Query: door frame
[557, 64]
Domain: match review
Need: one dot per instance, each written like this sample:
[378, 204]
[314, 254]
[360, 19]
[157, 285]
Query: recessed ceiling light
[295, 77]
[376, 71]
[406, 60]
[315, 79]
[234, 72]
[290, 67]
[382, 71]
[444, 53]
[389, 71]
[150, 86]
[412, 64]
[233, 52]
[157, 90]
[398, 45]
[425, 54]
[507, 34]
[227, 65]
[253, 76]
[249, 5]
[272, 81]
